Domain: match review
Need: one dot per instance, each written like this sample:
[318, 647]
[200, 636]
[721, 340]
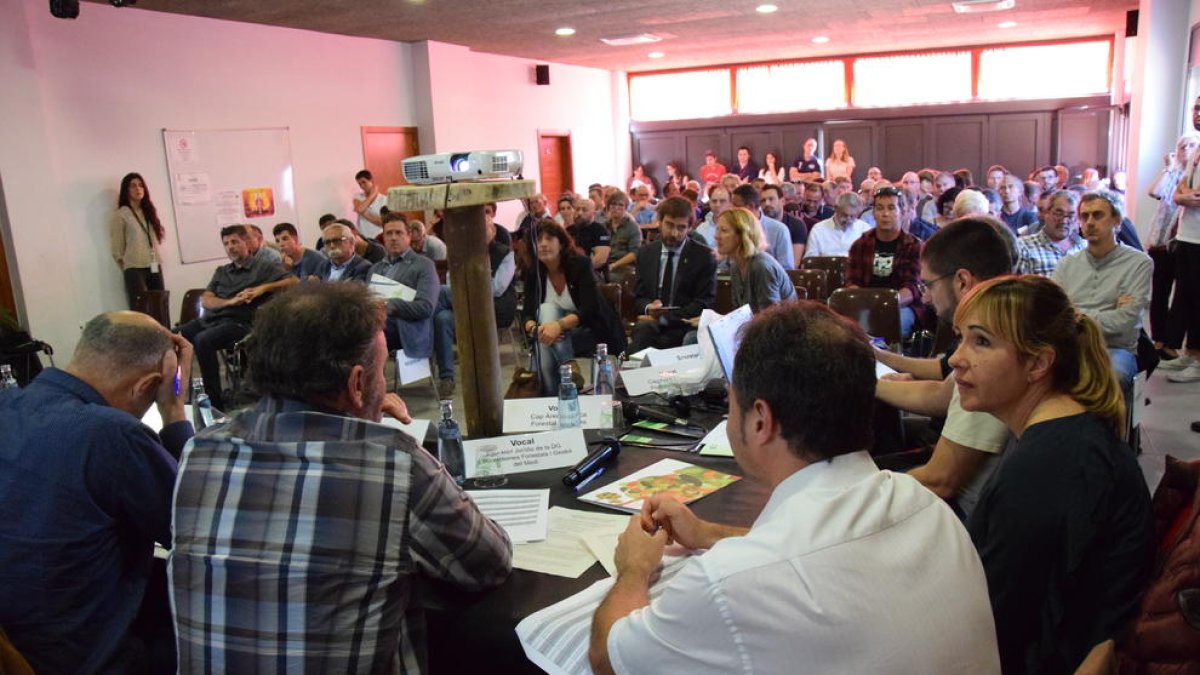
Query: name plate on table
[541, 414]
[689, 354]
[645, 380]
[525, 452]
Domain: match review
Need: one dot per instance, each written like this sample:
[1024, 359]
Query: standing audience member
[136, 235]
[1162, 232]
[756, 278]
[807, 167]
[310, 560]
[236, 291]
[369, 204]
[838, 558]
[85, 492]
[1185, 310]
[771, 172]
[711, 171]
[839, 164]
[563, 310]
[1063, 526]
[747, 168]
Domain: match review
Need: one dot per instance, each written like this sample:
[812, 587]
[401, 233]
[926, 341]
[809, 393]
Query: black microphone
[598, 457]
[641, 412]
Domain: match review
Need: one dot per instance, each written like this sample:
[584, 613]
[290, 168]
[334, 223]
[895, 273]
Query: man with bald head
[85, 492]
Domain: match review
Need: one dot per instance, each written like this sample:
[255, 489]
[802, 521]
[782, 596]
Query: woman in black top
[1063, 526]
[574, 317]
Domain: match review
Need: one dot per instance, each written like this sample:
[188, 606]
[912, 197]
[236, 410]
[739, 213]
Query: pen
[178, 378]
[589, 479]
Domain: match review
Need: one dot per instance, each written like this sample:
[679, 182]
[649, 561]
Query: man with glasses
[343, 264]
[888, 257]
[1040, 253]
[834, 235]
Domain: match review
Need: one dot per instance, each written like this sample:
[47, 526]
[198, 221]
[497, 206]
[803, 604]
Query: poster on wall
[224, 177]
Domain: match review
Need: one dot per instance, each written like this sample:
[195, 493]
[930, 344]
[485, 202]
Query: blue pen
[178, 378]
[589, 479]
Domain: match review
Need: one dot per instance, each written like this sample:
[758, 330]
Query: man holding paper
[676, 279]
[409, 319]
[841, 555]
[302, 527]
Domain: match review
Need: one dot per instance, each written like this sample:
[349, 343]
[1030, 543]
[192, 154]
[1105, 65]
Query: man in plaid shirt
[301, 527]
[886, 256]
[1059, 237]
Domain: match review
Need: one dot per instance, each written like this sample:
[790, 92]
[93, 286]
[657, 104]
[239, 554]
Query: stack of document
[575, 540]
[522, 513]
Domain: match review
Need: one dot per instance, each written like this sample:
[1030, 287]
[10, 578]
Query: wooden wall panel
[1083, 140]
[654, 151]
[1020, 142]
[696, 143]
[957, 143]
[860, 139]
[902, 147]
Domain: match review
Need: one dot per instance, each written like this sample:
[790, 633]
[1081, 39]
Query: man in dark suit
[343, 263]
[676, 279]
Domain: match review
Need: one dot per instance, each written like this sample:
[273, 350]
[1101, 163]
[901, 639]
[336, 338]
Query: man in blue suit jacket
[663, 303]
[343, 263]
[409, 322]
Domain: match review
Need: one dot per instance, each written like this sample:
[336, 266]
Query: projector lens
[460, 162]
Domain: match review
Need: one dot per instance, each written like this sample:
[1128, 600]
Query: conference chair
[834, 266]
[191, 308]
[724, 301]
[877, 310]
[156, 304]
[815, 281]
[801, 292]
[612, 293]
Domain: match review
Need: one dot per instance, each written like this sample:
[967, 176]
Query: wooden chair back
[834, 266]
[191, 308]
[877, 310]
[814, 280]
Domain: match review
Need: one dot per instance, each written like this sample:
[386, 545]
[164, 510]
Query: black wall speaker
[1131, 19]
[543, 73]
[64, 9]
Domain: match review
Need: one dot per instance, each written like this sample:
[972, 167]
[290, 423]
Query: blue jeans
[1124, 364]
[443, 335]
[907, 318]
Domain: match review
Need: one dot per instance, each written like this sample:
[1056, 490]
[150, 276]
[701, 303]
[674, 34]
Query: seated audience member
[591, 236]
[1063, 527]
[756, 278]
[369, 249]
[626, 235]
[888, 257]
[841, 554]
[970, 202]
[963, 179]
[773, 207]
[676, 280]
[641, 208]
[778, 242]
[504, 307]
[835, 235]
[718, 202]
[995, 176]
[1047, 178]
[425, 243]
[1108, 281]
[955, 259]
[343, 264]
[351, 513]
[257, 247]
[930, 208]
[995, 204]
[489, 219]
[1012, 210]
[536, 208]
[945, 206]
[300, 261]
[236, 290]
[369, 205]
[918, 228]
[409, 322]
[86, 491]
[813, 208]
[1058, 237]
[563, 309]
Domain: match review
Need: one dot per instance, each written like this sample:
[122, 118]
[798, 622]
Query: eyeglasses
[336, 241]
[924, 286]
[1063, 215]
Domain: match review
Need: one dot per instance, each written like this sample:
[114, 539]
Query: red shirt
[711, 173]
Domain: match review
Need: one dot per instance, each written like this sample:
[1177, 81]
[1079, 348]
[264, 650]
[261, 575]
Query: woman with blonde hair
[1063, 526]
[755, 277]
[839, 162]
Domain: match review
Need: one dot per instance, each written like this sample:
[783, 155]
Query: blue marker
[589, 479]
[178, 378]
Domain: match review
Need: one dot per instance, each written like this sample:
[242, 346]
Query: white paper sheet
[686, 355]
[417, 429]
[563, 553]
[882, 369]
[391, 289]
[604, 547]
[153, 420]
[524, 514]
[716, 443]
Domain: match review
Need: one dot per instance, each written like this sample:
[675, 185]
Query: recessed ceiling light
[656, 55]
[766, 9]
[1007, 24]
[974, 6]
[821, 39]
[565, 31]
[630, 40]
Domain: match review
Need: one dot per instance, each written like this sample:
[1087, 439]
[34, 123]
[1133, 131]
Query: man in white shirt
[368, 205]
[834, 236]
[842, 555]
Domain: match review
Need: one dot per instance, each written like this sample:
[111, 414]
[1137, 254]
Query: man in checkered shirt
[1059, 237]
[302, 526]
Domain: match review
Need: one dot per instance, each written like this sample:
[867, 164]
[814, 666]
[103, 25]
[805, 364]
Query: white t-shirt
[836, 576]
[366, 228]
[981, 431]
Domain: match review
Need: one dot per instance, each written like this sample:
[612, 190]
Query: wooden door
[383, 148]
[554, 165]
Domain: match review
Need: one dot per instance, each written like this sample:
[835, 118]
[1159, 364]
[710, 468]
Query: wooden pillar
[470, 275]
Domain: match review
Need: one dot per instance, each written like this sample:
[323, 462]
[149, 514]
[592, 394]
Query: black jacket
[695, 280]
[593, 311]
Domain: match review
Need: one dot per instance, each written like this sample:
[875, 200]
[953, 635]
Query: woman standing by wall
[137, 234]
[839, 162]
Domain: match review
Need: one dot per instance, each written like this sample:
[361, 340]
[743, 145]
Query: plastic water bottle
[450, 447]
[603, 379]
[568, 400]
[202, 408]
[7, 380]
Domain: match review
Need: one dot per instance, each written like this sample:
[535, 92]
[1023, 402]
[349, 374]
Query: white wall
[85, 101]
[484, 101]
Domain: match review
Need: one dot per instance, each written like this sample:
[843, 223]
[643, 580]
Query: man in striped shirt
[302, 526]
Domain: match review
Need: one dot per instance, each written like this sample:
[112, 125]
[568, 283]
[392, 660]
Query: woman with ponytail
[1063, 526]
[136, 235]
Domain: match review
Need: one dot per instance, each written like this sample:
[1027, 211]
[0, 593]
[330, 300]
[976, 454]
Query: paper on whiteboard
[192, 189]
[390, 289]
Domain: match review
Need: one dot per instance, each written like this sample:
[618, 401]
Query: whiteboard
[227, 177]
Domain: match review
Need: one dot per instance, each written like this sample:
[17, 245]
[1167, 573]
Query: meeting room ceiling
[694, 33]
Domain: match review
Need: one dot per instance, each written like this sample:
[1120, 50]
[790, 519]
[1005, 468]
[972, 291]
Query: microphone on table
[594, 462]
[640, 412]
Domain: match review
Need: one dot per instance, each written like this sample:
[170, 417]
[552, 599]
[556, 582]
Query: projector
[452, 167]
